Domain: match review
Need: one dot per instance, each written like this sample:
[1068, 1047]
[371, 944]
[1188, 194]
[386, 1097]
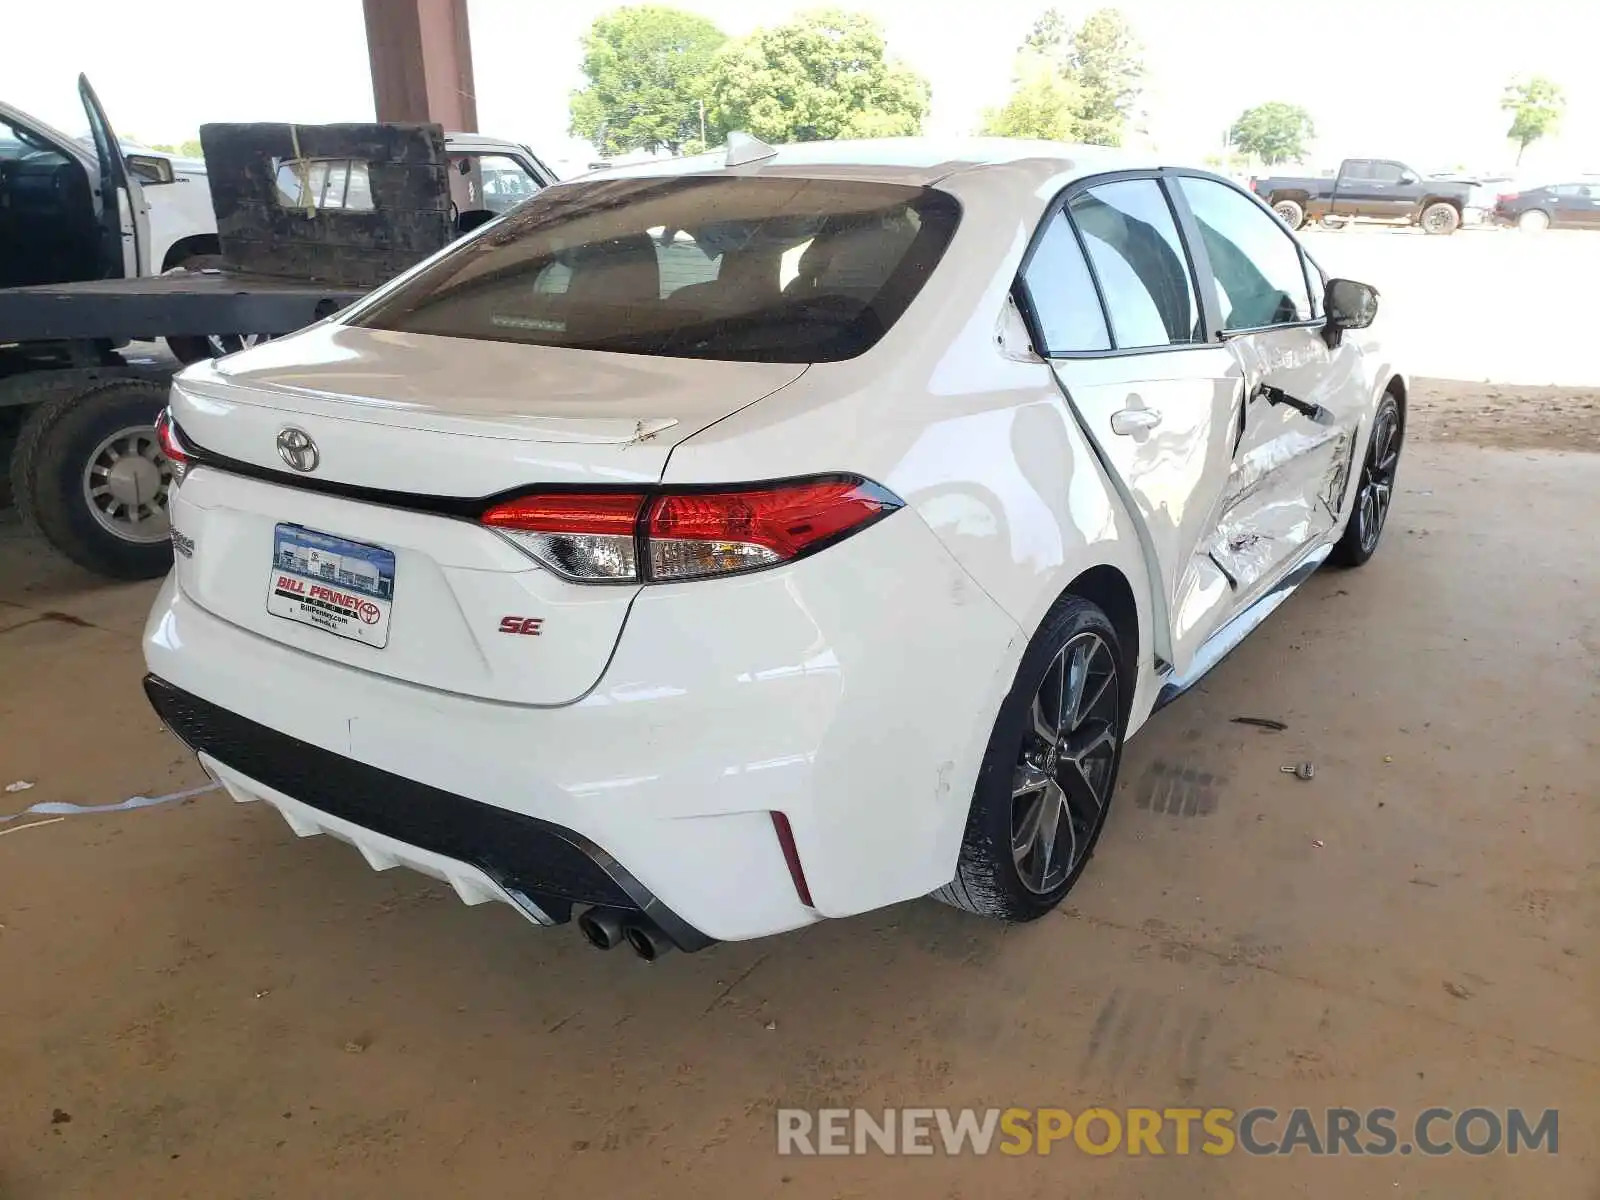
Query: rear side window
[1061, 290]
[1259, 275]
[766, 270]
[1133, 244]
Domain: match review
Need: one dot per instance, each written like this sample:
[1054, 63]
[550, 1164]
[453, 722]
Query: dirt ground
[193, 1002]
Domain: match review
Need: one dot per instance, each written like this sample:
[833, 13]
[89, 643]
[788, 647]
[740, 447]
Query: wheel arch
[188, 247]
[1454, 202]
[1106, 587]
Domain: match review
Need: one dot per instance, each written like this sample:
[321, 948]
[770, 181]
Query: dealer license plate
[343, 587]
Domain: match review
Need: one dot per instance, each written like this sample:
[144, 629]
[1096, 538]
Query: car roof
[914, 161]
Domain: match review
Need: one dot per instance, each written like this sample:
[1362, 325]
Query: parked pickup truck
[1368, 189]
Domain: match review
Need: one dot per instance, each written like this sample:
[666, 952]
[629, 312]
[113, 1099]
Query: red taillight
[588, 537]
[1505, 197]
[596, 537]
[172, 447]
[1252, 183]
[711, 533]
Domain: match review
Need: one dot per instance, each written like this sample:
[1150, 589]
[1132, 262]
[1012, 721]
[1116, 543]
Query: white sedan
[709, 548]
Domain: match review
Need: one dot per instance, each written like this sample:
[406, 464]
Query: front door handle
[1134, 422]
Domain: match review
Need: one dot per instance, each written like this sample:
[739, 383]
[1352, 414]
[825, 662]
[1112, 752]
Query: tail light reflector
[172, 447]
[626, 537]
[791, 857]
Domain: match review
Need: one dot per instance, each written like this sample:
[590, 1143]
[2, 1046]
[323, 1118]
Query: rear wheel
[89, 474]
[1533, 221]
[1048, 774]
[1375, 491]
[1290, 212]
[1441, 218]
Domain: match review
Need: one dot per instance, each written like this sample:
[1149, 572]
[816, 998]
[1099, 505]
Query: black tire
[989, 876]
[193, 348]
[1291, 212]
[52, 458]
[1440, 219]
[1379, 466]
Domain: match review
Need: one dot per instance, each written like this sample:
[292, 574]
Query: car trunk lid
[411, 433]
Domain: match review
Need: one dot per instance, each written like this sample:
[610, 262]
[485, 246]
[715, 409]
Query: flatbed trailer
[77, 407]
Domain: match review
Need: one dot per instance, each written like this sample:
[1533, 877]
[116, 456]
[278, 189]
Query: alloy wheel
[1377, 477]
[1063, 774]
[125, 484]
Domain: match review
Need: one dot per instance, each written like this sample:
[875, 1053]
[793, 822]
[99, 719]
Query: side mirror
[1348, 305]
[150, 168]
[1408, 179]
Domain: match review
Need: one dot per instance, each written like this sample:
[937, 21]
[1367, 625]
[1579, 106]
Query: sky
[1408, 79]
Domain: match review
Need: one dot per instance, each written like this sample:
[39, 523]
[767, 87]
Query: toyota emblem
[297, 449]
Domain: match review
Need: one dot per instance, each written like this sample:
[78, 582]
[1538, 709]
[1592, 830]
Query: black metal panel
[201, 302]
[408, 174]
[515, 850]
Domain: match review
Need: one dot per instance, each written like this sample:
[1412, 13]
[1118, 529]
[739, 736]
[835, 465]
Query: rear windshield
[762, 270]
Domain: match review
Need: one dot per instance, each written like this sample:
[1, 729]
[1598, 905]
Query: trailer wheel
[88, 473]
[193, 348]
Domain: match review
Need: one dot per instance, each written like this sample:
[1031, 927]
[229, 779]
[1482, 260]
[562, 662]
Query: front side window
[759, 270]
[496, 182]
[1062, 294]
[1386, 172]
[1133, 244]
[1256, 265]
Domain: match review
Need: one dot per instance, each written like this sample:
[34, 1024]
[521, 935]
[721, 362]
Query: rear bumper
[483, 852]
[852, 692]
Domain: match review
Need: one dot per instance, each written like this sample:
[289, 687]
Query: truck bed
[178, 303]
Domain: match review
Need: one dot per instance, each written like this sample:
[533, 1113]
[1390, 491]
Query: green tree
[825, 74]
[1043, 104]
[1106, 62]
[1535, 106]
[190, 149]
[646, 68]
[1274, 132]
[1049, 35]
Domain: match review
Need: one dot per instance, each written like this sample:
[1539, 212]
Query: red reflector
[167, 436]
[791, 855]
[569, 512]
[787, 519]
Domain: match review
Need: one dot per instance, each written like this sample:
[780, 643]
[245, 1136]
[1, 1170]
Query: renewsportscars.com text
[1258, 1131]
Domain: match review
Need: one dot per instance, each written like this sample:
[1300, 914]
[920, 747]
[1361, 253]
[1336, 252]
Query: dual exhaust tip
[607, 928]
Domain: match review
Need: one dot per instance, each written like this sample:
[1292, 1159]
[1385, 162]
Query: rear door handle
[1134, 422]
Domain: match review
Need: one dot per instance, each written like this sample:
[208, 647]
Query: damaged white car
[709, 548]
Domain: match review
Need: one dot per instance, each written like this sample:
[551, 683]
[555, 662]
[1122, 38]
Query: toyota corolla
[707, 549]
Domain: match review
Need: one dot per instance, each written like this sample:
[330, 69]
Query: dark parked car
[1558, 205]
[1368, 189]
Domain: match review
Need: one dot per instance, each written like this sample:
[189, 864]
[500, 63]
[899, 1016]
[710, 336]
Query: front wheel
[89, 473]
[1048, 773]
[1441, 218]
[1375, 491]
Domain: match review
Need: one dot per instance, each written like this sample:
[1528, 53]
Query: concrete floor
[196, 1003]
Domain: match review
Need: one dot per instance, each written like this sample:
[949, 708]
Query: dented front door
[1302, 406]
